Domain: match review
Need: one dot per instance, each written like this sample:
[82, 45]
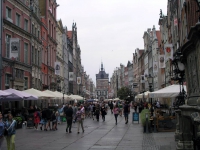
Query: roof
[69, 34]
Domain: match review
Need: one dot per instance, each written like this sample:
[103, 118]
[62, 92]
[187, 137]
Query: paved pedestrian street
[97, 136]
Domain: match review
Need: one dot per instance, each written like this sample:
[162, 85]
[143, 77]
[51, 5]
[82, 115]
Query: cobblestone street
[97, 136]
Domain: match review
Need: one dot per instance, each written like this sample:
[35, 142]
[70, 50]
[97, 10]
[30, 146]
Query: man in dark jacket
[126, 111]
[69, 117]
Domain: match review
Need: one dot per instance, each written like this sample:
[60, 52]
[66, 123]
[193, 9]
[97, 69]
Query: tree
[124, 93]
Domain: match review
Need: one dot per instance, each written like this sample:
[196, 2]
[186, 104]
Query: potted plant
[19, 122]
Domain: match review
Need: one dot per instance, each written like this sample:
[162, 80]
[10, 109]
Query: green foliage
[124, 93]
[18, 119]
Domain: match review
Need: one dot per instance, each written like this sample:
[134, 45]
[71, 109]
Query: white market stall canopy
[143, 95]
[77, 97]
[167, 92]
[116, 99]
[38, 93]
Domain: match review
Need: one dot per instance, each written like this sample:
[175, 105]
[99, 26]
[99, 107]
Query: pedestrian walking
[93, 111]
[111, 107]
[2, 127]
[97, 112]
[116, 112]
[37, 118]
[69, 117]
[75, 109]
[49, 119]
[60, 113]
[103, 112]
[43, 121]
[79, 119]
[126, 111]
[54, 121]
[10, 128]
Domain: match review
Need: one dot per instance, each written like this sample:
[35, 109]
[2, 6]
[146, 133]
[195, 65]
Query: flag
[14, 47]
[168, 51]
[57, 68]
[161, 61]
[155, 67]
[71, 76]
[78, 80]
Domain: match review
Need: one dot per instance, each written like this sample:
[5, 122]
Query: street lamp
[150, 81]
[179, 73]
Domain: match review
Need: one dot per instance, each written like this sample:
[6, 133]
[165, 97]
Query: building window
[8, 13]
[26, 25]
[32, 57]
[8, 45]
[7, 81]
[38, 34]
[25, 83]
[35, 31]
[35, 56]
[26, 53]
[33, 28]
[18, 20]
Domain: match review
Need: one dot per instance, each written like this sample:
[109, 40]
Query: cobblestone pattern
[149, 143]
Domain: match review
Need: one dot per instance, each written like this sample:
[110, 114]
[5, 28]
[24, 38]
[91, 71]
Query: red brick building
[16, 47]
[48, 12]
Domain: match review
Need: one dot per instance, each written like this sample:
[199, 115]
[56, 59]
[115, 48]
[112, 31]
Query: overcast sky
[109, 30]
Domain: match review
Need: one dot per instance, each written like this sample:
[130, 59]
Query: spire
[101, 66]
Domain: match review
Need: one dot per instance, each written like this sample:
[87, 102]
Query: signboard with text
[135, 117]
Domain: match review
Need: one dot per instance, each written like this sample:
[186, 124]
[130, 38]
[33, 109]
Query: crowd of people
[48, 119]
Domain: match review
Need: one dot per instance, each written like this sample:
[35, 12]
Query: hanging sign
[14, 47]
[57, 68]
[168, 51]
[161, 61]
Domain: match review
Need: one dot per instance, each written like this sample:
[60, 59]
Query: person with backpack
[93, 111]
[103, 112]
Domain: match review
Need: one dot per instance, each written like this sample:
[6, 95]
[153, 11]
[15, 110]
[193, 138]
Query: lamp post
[179, 73]
[150, 82]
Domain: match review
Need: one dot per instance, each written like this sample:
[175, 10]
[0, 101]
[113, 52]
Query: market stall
[165, 118]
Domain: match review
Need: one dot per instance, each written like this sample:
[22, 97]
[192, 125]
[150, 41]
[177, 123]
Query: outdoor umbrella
[77, 97]
[167, 92]
[22, 94]
[6, 96]
[38, 93]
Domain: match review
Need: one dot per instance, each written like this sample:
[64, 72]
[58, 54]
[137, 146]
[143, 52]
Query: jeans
[126, 117]
[116, 115]
[80, 122]
[11, 142]
[69, 124]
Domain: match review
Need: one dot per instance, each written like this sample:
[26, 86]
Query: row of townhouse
[177, 37]
[37, 51]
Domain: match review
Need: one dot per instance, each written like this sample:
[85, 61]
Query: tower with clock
[102, 83]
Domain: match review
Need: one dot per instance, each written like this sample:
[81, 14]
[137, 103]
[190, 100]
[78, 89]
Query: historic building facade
[16, 47]
[48, 11]
[59, 56]
[36, 45]
[102, 82]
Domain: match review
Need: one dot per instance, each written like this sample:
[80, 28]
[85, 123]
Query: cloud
[110, 30]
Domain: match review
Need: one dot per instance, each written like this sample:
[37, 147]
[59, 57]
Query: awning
[167, 92]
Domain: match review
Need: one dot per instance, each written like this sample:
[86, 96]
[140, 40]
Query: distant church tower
[102, 79]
